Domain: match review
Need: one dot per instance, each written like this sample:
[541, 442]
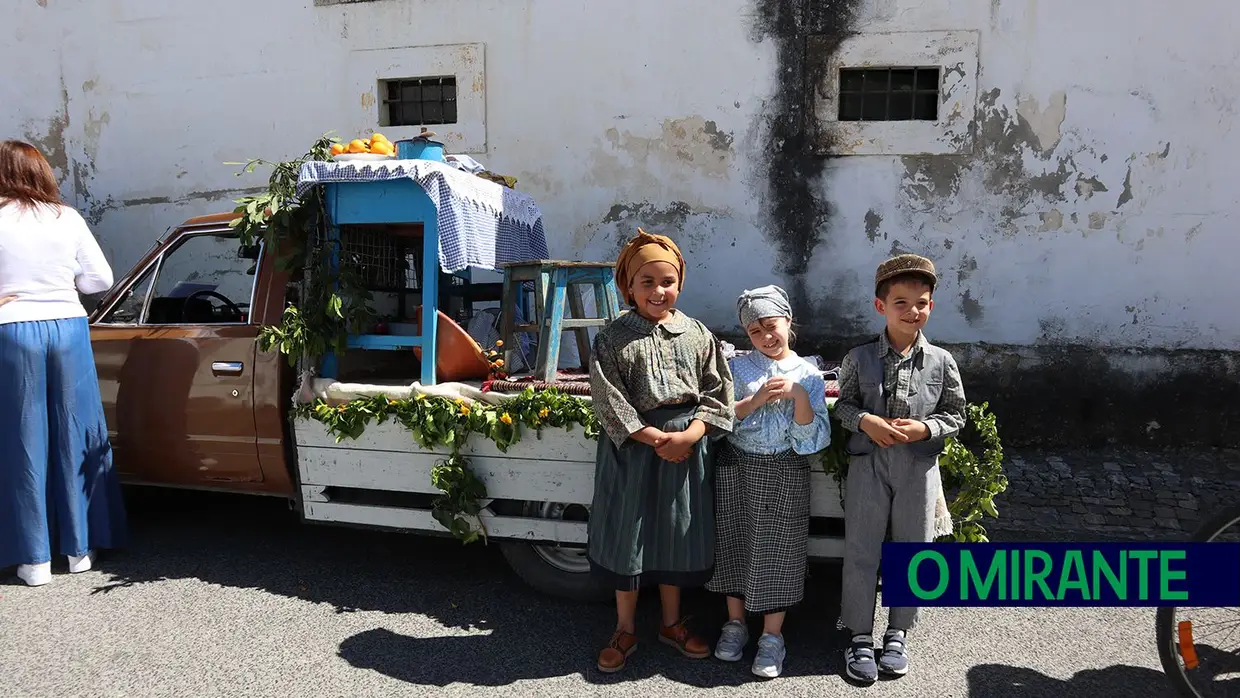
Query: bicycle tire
[1165, 625]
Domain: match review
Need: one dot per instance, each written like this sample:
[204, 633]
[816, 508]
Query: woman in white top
[59, 494]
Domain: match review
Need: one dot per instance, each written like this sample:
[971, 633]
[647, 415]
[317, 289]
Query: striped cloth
[651, 521]
[565, 381]
[481, 224]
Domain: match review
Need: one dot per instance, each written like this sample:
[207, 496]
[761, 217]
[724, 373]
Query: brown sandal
[683, 640]
[617, 651]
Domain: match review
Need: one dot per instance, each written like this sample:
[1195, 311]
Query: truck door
[176, 365]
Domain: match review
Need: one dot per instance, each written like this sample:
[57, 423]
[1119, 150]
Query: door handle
[227, 368]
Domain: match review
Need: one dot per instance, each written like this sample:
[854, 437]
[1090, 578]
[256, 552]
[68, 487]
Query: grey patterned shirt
[901, 382]
[638, 365]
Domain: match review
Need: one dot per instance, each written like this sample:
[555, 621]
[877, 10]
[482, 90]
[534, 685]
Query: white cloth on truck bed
[330, 389]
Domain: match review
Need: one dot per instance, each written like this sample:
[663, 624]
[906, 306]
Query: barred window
[889, 94]
[418, 101]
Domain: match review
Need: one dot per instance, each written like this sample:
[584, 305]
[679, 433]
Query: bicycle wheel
[1195, 665]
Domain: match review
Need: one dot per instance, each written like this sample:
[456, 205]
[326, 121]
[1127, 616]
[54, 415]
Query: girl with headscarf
[762, 489]
[663, 394]
[59, 494]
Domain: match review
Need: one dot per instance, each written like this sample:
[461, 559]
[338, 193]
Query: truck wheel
[552, 569]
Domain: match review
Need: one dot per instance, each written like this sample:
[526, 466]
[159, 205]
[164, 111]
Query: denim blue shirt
[772, 428]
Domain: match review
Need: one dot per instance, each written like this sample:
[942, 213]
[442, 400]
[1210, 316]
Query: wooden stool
[551, 279]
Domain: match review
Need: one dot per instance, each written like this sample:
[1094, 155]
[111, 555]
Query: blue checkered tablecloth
[481, 224]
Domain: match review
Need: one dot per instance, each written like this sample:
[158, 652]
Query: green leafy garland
[438, 421]
[332, 305]
[972, 466]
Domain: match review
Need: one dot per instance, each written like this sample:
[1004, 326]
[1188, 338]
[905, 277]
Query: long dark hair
[26, 178]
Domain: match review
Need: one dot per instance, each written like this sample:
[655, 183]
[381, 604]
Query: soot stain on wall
[798, 216]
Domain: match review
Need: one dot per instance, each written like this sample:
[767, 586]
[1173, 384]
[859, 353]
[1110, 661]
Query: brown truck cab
[189, 398]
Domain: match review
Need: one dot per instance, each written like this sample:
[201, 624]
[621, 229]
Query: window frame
[385, 112]
[123, 295]
[156, 265]
[954, 52]
[365, 69]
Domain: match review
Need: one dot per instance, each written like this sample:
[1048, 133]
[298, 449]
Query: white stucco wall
[1093, 204]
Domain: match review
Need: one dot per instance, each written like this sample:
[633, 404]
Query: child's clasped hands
[888, 432]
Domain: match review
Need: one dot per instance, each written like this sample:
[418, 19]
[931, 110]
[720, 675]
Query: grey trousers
[890, 484]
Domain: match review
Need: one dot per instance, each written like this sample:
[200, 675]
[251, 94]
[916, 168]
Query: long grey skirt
[652, 521]
[762, 505]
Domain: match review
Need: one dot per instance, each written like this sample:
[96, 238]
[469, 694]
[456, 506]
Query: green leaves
[971, 466]
[331, 305]
[458, 508]
[437, 421]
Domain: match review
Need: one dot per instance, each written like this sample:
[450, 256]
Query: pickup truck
[192, 402]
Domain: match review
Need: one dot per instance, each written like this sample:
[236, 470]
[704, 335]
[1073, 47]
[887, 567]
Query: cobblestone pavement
[1113, 494]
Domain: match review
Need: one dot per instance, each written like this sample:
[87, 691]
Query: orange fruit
[382, 148]
[357, 146]
[337, 148]
[379, 137]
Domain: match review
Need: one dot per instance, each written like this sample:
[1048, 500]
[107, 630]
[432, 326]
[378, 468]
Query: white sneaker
[769, 661]
[35, 575]
[83, 563]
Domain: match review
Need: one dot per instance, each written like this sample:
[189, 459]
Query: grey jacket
[925, 385]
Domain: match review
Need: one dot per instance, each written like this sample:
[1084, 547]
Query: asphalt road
[232, 596]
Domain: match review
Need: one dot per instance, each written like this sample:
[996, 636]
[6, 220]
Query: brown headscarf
[643, 249]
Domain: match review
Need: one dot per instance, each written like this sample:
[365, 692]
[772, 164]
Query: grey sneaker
[859, 660]
[732, 641]
[894, 659]
[770, 660]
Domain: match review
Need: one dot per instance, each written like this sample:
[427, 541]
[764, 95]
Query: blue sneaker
[894, 659]
[732, 641]
[859, 660]
[770, 660]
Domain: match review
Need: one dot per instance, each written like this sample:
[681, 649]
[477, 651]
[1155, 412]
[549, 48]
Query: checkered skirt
[761, 528]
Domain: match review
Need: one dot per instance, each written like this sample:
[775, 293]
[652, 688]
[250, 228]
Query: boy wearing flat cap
[900, 397]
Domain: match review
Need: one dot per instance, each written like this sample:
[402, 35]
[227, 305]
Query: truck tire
[535, 570]
[551, 569]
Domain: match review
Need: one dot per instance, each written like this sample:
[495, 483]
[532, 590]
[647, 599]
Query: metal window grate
[889, 94]
[385, 262]
[418, 101]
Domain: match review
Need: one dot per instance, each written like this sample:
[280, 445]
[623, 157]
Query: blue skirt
[59, 494]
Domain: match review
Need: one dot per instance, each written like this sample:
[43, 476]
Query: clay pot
[458, 356]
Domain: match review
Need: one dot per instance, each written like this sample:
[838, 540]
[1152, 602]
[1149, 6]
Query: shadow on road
[555, 639]
[1001, 681]
[258, 543]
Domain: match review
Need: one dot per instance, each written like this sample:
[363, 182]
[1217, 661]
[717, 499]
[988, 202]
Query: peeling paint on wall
[1029, 169]
[49, 137]
[1044, 124]
[872, 222]
[665, 220]
[970, 308]
[692, 142]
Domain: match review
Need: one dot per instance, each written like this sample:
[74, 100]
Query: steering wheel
[231, 306]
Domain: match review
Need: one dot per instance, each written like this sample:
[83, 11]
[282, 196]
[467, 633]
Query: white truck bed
[559, 467]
